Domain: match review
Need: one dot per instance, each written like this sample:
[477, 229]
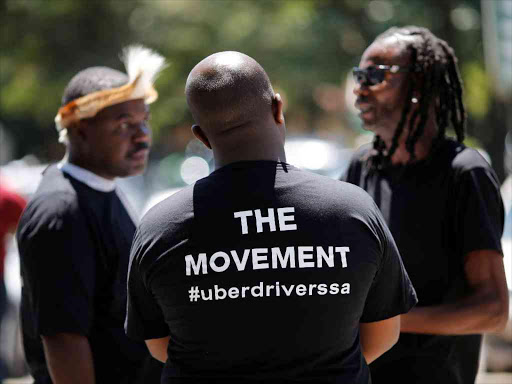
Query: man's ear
[84, 129]
[78, 132]
[78, 138]
[277, 108]
[198, 132]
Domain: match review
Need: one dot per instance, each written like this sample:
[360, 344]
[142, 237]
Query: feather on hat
[142, 64]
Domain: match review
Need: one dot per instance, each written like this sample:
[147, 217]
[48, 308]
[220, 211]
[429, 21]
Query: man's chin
[369, 125]
[132, 170]
[138, 169]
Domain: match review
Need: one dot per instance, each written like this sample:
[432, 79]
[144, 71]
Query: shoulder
[343, 205]
[341, 188]
[343, 196]
[54, 202]
[468, 165]
[164, 226]
[45, 213]
[59, 203]
[357, 162]
[174, 209]
[50, 220]
[467, 159]
[361, 155]
[54, 182]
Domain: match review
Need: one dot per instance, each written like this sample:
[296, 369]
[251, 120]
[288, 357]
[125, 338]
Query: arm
[60, 283]
[485, 309]
[69, 358]
[378, 337]
[158, 348]
[144, 317]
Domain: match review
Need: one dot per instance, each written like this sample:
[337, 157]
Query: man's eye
[124, 126]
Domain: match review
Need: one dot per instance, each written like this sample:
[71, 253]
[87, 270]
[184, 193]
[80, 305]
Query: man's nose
[142, 133]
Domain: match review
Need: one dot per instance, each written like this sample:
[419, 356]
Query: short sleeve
[479, 211]
[352, 174]
[391, 293]
[144, 318]
[58, 269]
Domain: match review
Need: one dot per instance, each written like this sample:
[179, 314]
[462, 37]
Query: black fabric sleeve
[479, 211]
[391, 293]
[350, 175]
[58, 269]
[353, 172]
[144, 318]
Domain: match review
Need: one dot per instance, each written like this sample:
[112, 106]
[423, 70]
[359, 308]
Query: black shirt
[438, 210]
[264, 271]
[74, 244]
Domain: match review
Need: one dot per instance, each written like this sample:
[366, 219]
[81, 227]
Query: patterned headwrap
[142, 65]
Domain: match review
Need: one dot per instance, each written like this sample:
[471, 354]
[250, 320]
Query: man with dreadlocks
[75, 234]
[441, 201]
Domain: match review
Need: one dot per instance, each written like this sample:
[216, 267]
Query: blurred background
[307, 48]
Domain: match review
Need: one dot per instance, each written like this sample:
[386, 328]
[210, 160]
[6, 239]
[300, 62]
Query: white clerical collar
[87, 177]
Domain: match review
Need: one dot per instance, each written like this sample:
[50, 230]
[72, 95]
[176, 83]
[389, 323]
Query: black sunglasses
[375, 74]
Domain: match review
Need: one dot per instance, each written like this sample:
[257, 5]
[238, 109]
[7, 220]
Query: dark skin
[115, 142]
[485, 308]
[222, 122]
[260, 149]
[381, 104]
[69, 358]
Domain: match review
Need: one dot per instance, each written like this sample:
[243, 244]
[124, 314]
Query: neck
[81, 162]
[260, 140]
[422, 146]
[254, 152]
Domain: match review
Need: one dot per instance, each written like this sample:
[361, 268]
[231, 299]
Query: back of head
[91, 80]
[233, 104]
[228, 89]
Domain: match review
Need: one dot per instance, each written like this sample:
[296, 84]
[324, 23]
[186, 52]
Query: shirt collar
[87, 177]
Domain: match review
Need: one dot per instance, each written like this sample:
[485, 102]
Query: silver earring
[414, 100]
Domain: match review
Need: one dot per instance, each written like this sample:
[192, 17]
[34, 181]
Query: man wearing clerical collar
[75, 234]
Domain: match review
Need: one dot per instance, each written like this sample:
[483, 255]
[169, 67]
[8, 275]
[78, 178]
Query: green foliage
[301, 43]
[478, 95]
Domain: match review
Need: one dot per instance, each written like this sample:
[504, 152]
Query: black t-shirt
[262, 271]
[74, 244]
[438, 210]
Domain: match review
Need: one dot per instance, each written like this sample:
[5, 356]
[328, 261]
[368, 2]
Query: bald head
[235, 109]
[228, 89]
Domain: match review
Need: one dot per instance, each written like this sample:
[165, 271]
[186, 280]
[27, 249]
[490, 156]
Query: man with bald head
[237, 113]
[261, 272]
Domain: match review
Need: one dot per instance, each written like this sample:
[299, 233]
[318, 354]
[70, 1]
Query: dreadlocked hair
[441, 84]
